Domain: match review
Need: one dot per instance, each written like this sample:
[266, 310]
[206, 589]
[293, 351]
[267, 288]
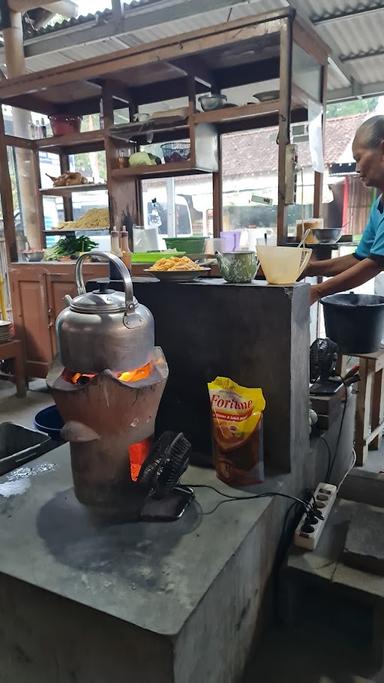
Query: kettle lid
[102, 300]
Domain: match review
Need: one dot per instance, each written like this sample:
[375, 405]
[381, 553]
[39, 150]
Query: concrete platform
[320, 587]
[327, 561]
[87, 601]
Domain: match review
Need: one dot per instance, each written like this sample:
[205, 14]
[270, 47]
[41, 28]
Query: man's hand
[314, 294]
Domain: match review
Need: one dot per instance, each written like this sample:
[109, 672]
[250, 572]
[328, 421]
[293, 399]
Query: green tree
[351, 107]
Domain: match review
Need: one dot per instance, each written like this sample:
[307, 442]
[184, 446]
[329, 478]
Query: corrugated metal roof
[361, 31]
[346, 36]
[101, 16]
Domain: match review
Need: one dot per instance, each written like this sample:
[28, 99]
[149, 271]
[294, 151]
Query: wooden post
[67, 200]
[284, 123]
[217, 183]
[26, 168]
[6, 197]
[318, 186]
[123, 193]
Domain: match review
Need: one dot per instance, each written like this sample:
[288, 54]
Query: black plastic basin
[354, 321]
[18, 445]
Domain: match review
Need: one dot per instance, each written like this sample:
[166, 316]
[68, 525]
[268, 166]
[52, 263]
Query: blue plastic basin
[50, 421]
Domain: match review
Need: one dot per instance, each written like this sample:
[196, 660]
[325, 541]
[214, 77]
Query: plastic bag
[237, 430]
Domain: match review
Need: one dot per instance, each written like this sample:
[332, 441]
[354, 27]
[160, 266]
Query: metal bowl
[33, 256]
[212, 101]
[327, 235]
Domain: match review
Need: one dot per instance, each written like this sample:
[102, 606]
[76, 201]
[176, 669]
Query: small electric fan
[322, 363]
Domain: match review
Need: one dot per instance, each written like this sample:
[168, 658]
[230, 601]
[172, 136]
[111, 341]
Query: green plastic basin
[190, 245]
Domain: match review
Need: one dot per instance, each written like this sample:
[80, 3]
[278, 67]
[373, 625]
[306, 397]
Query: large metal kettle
[104, 329]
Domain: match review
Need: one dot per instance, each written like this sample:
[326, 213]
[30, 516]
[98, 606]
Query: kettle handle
[122, 268]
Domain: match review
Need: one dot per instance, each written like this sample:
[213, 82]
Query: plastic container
[355, 322]
[230, 240]
[65, 124]
[153, 256]
[50, 421]
[190, 245]
[18, 445]
[283, 265]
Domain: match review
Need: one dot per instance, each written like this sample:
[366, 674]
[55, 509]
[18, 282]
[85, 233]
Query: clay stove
[108, 391]
[109, 424]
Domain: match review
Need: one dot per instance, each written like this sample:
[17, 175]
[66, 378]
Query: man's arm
[330, 267]
[360, 272]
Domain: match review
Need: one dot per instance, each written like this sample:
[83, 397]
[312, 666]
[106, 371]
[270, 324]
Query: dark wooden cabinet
[38, 291]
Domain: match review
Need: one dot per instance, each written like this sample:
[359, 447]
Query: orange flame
[138, 453]
[124, 376]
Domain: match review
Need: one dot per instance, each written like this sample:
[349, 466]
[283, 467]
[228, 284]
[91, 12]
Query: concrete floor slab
[23, 410]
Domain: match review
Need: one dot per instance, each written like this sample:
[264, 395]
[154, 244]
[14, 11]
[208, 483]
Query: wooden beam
[255, 72]
[88, 138]
[137, 18]
[185, 45]
[35, 104]
[157, 92]
[284, 125]
[15, 141]
[6, 197]
[167, 90]
[118, 90]
[198, 69]
[305, 36]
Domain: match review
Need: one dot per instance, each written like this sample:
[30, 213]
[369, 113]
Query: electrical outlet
[310, 527]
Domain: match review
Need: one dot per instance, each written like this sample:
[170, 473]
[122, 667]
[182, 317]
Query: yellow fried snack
[96, 219]
[175, 263]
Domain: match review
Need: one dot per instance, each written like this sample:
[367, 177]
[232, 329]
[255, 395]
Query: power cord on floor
[332, 463]
[329, 452]
[350, 468]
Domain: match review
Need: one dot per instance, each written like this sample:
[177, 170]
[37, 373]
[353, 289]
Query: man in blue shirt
[347, 272]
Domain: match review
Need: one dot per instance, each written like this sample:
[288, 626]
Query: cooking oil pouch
[237, 432]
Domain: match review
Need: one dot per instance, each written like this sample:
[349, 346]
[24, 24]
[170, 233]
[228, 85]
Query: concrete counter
[140, 601]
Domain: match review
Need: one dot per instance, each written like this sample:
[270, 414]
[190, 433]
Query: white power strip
[310, 528]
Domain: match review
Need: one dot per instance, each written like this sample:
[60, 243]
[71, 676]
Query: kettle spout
[77, 432]
[68, 299]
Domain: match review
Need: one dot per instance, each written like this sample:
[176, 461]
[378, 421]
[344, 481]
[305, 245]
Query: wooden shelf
[70, 232]
[237, 113]
[170, 169]
[128, 133]
[90, 137]
[56, 232]
[68, 189]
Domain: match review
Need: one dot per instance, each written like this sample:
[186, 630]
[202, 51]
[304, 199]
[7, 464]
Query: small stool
[369, 420]
[13, 350]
